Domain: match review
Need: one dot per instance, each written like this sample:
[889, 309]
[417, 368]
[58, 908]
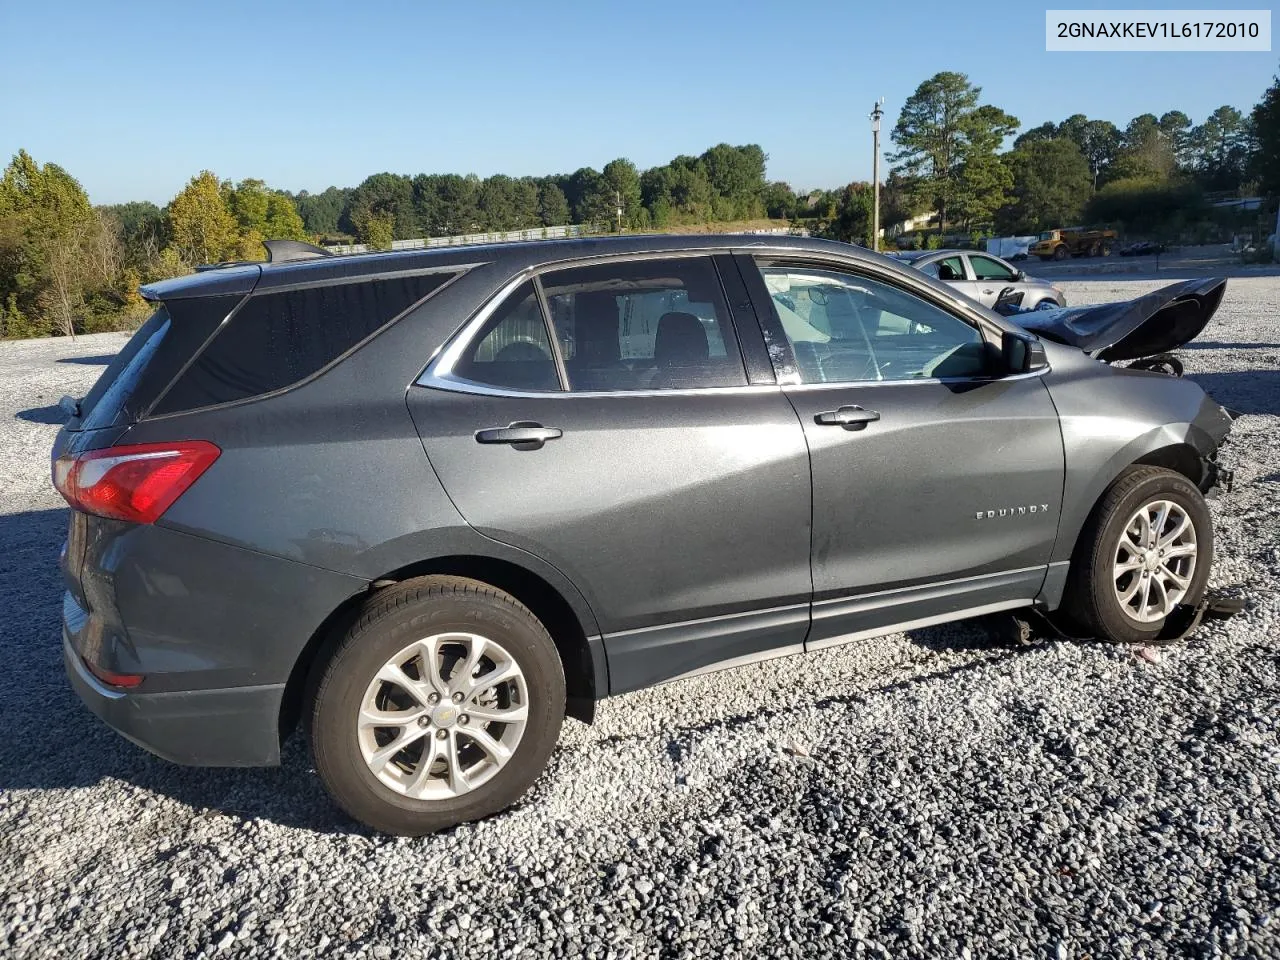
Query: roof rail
[286, 251]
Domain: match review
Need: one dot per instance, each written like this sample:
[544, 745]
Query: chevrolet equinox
[430, 502]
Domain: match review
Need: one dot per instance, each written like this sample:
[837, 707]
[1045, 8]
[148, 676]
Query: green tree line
[67, 266]
[1151, 175]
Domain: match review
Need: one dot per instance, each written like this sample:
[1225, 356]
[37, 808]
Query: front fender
[1114, 417]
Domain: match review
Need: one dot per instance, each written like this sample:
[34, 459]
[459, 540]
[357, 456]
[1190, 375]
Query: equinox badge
[1011, 511]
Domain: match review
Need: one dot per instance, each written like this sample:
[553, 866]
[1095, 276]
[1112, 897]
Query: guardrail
[506, 236]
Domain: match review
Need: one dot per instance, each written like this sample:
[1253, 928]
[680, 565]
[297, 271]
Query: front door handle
[522, 434]
[851, 418]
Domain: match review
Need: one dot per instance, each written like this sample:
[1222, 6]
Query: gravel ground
[928, 794]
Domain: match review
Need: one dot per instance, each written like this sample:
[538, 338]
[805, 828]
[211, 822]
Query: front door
[990, 278]
[630, 451]
[937, 488]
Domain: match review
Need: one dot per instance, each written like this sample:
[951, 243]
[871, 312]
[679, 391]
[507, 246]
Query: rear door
[625, 442]
[937, 487]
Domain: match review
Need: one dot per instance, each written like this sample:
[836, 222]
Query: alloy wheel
[1155, 561]
[443, 716]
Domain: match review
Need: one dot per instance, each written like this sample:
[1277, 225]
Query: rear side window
[644, 325]
[104, 402]
[512, 351]
[276, 340]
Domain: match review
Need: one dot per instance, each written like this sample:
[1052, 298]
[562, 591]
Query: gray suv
[428, 503]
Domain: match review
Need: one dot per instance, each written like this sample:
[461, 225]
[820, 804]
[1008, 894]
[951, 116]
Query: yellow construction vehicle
[1073, 242]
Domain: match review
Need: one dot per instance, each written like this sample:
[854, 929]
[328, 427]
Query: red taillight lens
[138, 482]
[113, 679]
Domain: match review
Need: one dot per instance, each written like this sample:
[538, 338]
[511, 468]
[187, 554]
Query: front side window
[847, 328]
[512, 350]
[984, 268]
[643, 325]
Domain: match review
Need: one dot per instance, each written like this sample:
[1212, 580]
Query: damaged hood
[1160, 321]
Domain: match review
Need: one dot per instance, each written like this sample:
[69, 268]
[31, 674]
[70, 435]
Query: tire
[1092, 599]
[1048, 303]
[1095, 250]
[1061, 252]
[1106, 249]
[464, 780]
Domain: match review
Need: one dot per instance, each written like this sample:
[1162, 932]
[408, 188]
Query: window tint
[644, 325]
[512, 350]
[954, 269]
[120, 380]
[277, 339]
[847, 328]
[984, 268]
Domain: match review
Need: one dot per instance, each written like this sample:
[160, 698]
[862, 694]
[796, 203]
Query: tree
[780, 201]
[1099, 141]
[736, 177]
[1046, 131]
[380, 199]
[623, 181]
[590, 197]
[1219, 148]
[320, 212]
[852, 222]
[1175, 127]
[1146, 154]
[984, 181]
[48, 232]
[553, 208]
[1265, 123]
[940, 130]
[1051, 184]
[202, 228]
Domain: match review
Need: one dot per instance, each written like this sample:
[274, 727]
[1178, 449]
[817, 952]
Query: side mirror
[1019, 276]
[1022, 352]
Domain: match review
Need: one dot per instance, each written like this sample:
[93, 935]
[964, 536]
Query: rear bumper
[232, 727]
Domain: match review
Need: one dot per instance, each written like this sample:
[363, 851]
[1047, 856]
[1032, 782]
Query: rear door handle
[524, 434]
[851, 418]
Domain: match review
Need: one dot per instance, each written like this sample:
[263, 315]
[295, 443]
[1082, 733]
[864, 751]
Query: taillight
[137, 482]
[111, 678]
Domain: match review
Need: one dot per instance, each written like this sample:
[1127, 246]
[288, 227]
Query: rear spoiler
[217, 279]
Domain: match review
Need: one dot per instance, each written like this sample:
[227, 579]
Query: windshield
[1047, 235]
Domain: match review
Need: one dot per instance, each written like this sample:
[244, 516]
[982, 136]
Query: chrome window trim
[460, 385]
[850, 384]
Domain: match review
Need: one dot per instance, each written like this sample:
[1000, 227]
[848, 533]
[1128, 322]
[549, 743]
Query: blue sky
[135, 98]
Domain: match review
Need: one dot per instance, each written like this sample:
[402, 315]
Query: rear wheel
[1145, 550]
[442, 704]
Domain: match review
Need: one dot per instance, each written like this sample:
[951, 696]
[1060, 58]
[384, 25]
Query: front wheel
[1145, 550]
[1061, 253]
[441, 705]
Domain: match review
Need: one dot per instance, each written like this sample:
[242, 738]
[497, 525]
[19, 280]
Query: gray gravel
[928, 794]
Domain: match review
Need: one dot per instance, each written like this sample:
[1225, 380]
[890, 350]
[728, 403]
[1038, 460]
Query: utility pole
[876, 114]
[617, 201]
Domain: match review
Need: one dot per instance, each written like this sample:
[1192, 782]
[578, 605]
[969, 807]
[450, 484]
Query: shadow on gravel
[50, 741]
[51, 414]
[101, 360]
[1249, 391]
[1221, 345]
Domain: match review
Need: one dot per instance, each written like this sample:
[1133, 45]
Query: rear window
[104, 402]
[276, 340]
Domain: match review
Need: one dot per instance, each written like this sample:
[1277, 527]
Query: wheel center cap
[444, 715]
[1151, 561]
